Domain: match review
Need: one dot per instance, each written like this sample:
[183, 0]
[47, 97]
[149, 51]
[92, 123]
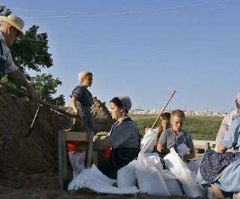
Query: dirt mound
[38, 186]
[102, 120]
[37, 152]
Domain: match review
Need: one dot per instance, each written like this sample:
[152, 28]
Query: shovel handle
[40, 101]
[34, 120]
[155, 122]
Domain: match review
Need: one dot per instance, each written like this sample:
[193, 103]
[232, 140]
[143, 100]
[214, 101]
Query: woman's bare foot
[217, 193]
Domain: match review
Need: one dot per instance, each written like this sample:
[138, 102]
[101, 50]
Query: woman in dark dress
[82, 98]
[81, 103]
[123, 138]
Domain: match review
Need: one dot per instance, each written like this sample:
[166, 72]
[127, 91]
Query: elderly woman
[123, 138]
[229, 180]
[82, 98]
[222, 170]
[227, 121]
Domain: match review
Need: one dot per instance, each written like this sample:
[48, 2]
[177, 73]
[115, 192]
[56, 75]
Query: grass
[200, 128]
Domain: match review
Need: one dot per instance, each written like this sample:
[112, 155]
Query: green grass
[200, 128]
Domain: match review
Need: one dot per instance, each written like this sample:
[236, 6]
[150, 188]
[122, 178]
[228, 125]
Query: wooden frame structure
[63, 138]
[204, 144]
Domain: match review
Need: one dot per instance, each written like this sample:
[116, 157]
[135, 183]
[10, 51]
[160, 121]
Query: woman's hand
[74, 105]
[75, 110]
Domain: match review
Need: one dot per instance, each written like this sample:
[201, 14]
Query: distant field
[200, 128]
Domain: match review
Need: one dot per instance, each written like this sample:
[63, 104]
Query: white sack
[149, 175]
[149, 160]
[98, 182]
[188, 180]
[236, 195]
[149, 141]
[183, 149]
[194, 165]
[77, 160]
[172, 183]
[126, 176]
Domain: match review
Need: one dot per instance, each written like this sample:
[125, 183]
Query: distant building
[139, 111]
[143, 111]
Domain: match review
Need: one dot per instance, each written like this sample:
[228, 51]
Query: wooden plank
[90, 149]
[95, 158]
[77, 136]
[60, 160]
[63, 137]
[65, 157]
[203, 143]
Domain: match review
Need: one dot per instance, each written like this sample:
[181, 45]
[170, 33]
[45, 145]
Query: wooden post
[65, 156]
[60, 160]
[63, 137]
[34, 120]
[90, 149]
[155, 122]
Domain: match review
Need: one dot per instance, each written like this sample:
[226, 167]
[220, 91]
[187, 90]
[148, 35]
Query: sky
[143, 48]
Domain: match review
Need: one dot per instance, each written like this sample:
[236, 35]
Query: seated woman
[227, 121]
[123, 138]
[174, 136]
[231, 138]
[229, 180]
[222, 170]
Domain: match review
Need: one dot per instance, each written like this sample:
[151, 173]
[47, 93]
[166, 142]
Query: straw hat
[14, 21]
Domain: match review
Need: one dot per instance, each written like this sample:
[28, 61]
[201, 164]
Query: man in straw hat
[11, 30]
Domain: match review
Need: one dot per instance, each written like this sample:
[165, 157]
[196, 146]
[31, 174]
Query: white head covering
[238, 98]
[83, 74]
[126, 102]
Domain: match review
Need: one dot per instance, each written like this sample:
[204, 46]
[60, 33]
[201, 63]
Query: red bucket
[72, 145]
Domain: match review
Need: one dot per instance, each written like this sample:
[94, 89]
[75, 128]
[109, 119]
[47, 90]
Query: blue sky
[144, 48]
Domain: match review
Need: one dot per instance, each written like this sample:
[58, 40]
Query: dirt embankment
[37, 152]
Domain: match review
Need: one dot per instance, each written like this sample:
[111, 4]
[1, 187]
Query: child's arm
[162, 150]
[189, 155]
[162, 143]
[190, 145]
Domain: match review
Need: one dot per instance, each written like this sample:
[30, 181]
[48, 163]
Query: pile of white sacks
[145, 175]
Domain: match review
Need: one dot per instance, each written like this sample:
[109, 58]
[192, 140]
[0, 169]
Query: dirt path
[19, 185]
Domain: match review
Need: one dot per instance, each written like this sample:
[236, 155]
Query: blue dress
[84, 103]
[229, 180]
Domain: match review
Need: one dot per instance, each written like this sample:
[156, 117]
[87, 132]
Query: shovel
[155, 122]
[34, 120]
[41, 103]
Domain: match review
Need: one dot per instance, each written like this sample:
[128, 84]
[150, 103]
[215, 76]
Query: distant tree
[46, 85]
[31, 53]
[4, 11]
